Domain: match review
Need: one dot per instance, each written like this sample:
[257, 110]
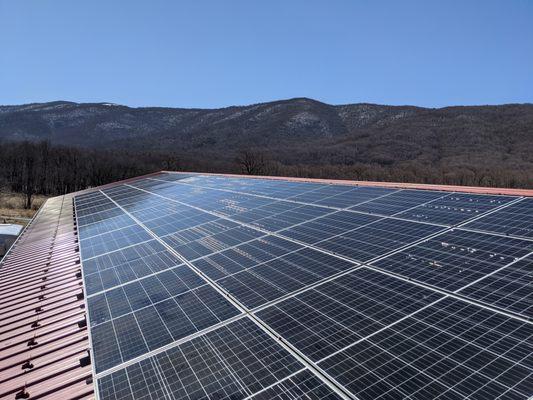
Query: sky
[200, 53]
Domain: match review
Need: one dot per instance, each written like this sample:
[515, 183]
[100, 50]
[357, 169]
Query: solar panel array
[224, 288]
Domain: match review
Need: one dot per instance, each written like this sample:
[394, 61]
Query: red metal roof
[43, 336]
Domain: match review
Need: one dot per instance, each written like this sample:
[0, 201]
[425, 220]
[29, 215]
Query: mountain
[295, 133]
[105, 124]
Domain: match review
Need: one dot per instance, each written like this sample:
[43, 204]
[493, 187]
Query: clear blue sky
[218, 53]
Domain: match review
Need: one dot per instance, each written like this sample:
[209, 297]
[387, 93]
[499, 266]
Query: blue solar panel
[333, 315]
[448, 350]
[303, 385]
[516, 220]
[138, 319]
[232, 362]
[455, 208]
[456, 258]
[377, 239]
[400, 201]
[508, 288]
[215, 287]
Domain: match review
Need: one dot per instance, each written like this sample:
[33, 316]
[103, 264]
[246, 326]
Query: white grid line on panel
[276, 383]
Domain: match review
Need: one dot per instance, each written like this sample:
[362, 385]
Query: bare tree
[30, 159]
[251, 162]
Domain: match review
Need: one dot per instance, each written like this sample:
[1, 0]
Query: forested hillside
[71, 146]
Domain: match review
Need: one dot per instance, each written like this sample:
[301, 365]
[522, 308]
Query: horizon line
[262, 102]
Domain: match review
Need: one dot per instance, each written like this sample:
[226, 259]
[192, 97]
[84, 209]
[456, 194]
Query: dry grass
[12, 208]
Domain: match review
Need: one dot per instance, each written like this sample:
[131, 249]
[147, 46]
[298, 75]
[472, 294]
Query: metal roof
[43, 334]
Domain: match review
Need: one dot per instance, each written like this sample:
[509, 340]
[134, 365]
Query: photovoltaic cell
[209, 238]
[377, 239]
[104, 226]
[271, 280]
[143, 309]
[177, 222]
[142, 293]
[296, 214]
[396, 202]
[245, 256]
[99, 216]
[174, 177]
[303, 385]
[328, 226]
[127, 264]
[353, 197]
[95, 209]
[114, 240]
[321, 193]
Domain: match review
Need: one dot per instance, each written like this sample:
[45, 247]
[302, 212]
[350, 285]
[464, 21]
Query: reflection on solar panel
[216, 287]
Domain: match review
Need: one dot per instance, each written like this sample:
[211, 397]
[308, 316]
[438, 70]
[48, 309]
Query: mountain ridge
[300, 133]
[265, 102]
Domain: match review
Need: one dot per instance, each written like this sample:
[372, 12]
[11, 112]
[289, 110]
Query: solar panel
[331, 225]
[277, 278]
[303, 385]
[233, 361]
[398, 202]
[456, 258]
[455, 208]
[216, 287]
[448, 350]
[331, 316]
[508, 288]
[377, 239]
[353, 197]
[516, 220]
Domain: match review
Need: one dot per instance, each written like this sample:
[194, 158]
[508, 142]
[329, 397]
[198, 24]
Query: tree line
[43, 169]
[40, 168]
